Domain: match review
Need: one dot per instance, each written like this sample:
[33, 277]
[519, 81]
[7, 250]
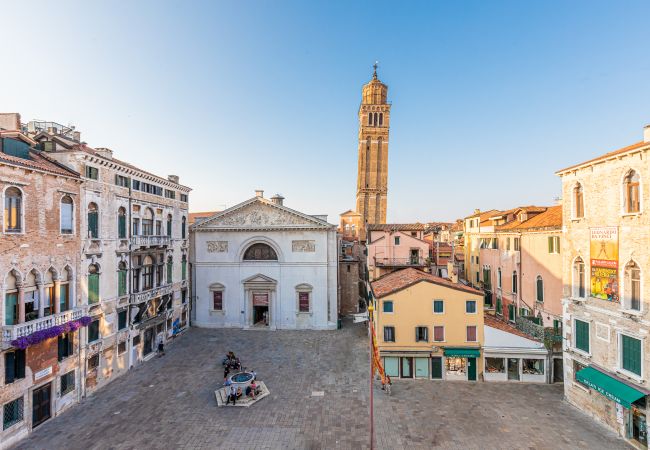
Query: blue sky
[489, 98]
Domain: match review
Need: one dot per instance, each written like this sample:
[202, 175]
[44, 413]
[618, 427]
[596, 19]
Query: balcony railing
[11, 332]
[158, 291]
[150, 241]
[400, 262]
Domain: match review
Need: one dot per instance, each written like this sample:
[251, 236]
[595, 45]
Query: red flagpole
[372, 373]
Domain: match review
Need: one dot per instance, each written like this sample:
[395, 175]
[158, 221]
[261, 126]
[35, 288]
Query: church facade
[261, 264]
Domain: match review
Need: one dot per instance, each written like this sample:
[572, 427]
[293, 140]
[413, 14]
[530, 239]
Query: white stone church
[261, 264]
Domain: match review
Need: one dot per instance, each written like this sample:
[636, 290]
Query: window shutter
[70, 342]
[20, 363]
[60, 347]
[92, 224]
[550, 244]
[10, 367]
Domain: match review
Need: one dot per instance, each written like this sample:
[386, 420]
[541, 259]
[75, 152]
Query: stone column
[41, 299]
[57, 296]
[21, 302]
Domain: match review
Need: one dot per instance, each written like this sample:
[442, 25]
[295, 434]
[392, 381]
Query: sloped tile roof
[401, 279]
[491, 321]
[620, 151]
[551, 218]
[38, 162]
[396, 226]
[194, 216]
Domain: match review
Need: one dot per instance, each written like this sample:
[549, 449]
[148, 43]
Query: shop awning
[608, 386]
[463, 352]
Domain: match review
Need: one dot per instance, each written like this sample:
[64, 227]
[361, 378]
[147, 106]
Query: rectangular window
[136, 227]
[12, 413]
[389, 334]
[533, 366]
[93, 331]
[508, 243]
[470, 306]
[303, 302]
[499, 306]
[170, 194]
[516, 244]
[396, 240]
[92, 173]
[14, 365]
[471, 333]
[439, 333]
[421, 334]
[183, 269]
[65, 346]
[11, 308]
[93, 288]
[121, 181]
[438, 306]
[217, 300]
[554, 244]
[136, 185]
[121, 319]
[512, 313]
[495, 365]
[391, 366]
[388, 306]
[93, 362]
[67, 383]
[582, 335]
[121, 348]
[631, 354]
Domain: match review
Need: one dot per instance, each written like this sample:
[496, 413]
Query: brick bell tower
[372, 179]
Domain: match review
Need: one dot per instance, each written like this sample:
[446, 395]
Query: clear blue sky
[489, 98]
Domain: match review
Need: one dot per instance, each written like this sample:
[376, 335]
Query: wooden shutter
[10, 367]
[61, 345]
[631, 354]
[582, 335]
[92, 224]
[93, 288]
[70, 343]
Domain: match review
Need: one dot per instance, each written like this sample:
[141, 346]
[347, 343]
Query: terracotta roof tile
[620, 151]
[551, 218]
[491, 321]
[38, 162]
[401, 279]
[194, 216]
[396, 226]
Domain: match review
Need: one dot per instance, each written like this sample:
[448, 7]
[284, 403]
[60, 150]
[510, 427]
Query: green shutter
[121, 225]
[169, 228]
[63, 297]
[11, 300]
[582, 335]
[631, 354]
[499, 309]
[121, 282]
[550, 244]
[92, 224]
[183, 269]
[93, 288]
[10, 367]
[169, 272]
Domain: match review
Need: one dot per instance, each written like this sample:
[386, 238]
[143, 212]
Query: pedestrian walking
[161, 347]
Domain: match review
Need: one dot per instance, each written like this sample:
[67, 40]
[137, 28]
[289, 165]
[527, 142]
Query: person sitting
[239, 392]
[251, 390]
[232, 395]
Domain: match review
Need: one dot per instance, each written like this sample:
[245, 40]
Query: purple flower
[42, 335]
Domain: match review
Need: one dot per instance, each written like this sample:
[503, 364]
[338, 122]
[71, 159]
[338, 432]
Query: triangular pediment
[260, 213]
[259, 278]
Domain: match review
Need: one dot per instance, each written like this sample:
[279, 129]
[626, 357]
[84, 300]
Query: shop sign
[597, 388]
[604, 263]
[43, 373]
[619, 413]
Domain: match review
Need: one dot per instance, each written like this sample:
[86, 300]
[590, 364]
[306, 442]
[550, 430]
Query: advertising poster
[604, 263]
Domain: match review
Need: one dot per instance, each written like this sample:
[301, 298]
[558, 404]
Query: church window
[375, 120]
[369, 118]
[381, 119]
[260, 252]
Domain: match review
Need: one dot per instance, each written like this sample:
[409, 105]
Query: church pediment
[260, 214]
[259, 278]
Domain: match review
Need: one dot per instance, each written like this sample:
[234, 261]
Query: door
[436, 368]
[41, 405]
[558, 370]
[148, 341]
[407, 367]
[415, 256]
[471, 369]
[513, 369]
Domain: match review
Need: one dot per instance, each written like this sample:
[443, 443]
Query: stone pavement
[169, 403]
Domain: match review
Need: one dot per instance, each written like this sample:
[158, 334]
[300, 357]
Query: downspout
[130, 274]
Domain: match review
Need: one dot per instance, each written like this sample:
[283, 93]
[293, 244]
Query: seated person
[252, 390]
[239, 392]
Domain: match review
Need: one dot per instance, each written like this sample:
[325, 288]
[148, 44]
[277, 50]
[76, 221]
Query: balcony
[150, 241]
[11, 332]
[400, 262]
[158, 291]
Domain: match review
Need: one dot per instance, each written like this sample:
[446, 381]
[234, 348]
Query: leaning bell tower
[372, 178]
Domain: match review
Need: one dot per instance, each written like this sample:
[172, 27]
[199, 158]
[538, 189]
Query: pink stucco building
[396, 246]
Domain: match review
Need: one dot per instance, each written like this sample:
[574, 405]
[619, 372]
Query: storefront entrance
[41, 404]
[456, 368]
[471, 369]
[639, 429]
[261, 309]
[148, 341]
[513, 369]
[436, 368]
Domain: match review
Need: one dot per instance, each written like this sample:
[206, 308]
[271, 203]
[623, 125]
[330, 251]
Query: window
[183, 223]
[439, 333]
[633, 286]
[66, 215]
[396, 240]
[93, 331]
[93, 362]
[540, 288]
[14, 365]
[632, 198]
[381, 119]
[170, 267]
[121, 348]
[147, 273]
[93, 283]
[470, 306]
[183, 267]
[147, 222]
[512, 313]
[303, 302]
[217, 300]
[579, 278]
[121, 319]
[495, 365]
[121, 223]
[184, 198]
[169, 225]
[514, 282]
[136, 185]
[508, 243]
[388, 306]
[471, 333]
[260, 252]
[93, 221]
[92, 172]
[554, 244]
[478, 278]
[170, 194]
[532, 366]
[65, 346]
[421, 334]
[121, 279]
[389, 334]
[581, 330]
[630, 351]
[121, 180]
[13, 210]
[67, 383]
[578, 202]
[516, 243]
[136, 227]
[438, 306]
[499, 276]
[499, 306]
[13, 413]
[184, 298]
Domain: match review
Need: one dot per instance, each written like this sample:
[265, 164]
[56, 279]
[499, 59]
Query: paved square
[169, 403]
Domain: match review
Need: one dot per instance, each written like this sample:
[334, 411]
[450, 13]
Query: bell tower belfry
[372, 178]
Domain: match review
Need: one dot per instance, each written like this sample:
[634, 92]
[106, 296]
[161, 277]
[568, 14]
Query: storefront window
[495, 365]
[456, 367]
[391, 366]
[533, 367]
[421, 367]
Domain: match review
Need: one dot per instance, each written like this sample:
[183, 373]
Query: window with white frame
[217, 297]
[554, 244]
[581, 335]
[471, 333]
[632, 198]
[389, 334]
[303, 297]
[421, 334]
[439, 333]
[539, 287]
[579, 282]
[632, 294]
[13, 213]
[438, 306]
[470, 306]
[67, 222]
[630, 351]
[499, 274]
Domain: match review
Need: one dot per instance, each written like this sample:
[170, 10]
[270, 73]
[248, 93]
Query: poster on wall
[604, 263]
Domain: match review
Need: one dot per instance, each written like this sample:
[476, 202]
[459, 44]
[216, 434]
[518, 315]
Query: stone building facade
[605, 297]
[351, 277]
[39, 284]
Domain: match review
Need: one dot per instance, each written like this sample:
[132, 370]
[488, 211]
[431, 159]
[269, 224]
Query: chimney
[76, 136]
[477, 211]
[278, 199]
[646, 134]
[452, 272]
[10, 121]
[52, 130]
[259, 193]
[104, 152]
[173, 178]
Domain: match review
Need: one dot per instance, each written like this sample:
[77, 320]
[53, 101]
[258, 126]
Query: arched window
[381, 119]
[579, 290]
[11, 298]
[169, 225]
[499, 277]
[183, 223]
[632, 198]
[13, 210]
[121, 279]
[514, 282]
[121, 223]
[147, 273]
[260, 252]
[66, 215]
[540, 288]
[93, 221]
[578, 202]
[65, 288]
[147, 222]
[633, 286]
[93, 284]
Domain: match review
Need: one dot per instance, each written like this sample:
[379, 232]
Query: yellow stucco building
[428, 327]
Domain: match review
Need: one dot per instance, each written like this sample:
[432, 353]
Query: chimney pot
[278, 199]
[646, 133]
[76, 136]
[259, 193]
[173, 178]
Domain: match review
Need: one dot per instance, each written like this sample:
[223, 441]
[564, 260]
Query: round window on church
[260, 252]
